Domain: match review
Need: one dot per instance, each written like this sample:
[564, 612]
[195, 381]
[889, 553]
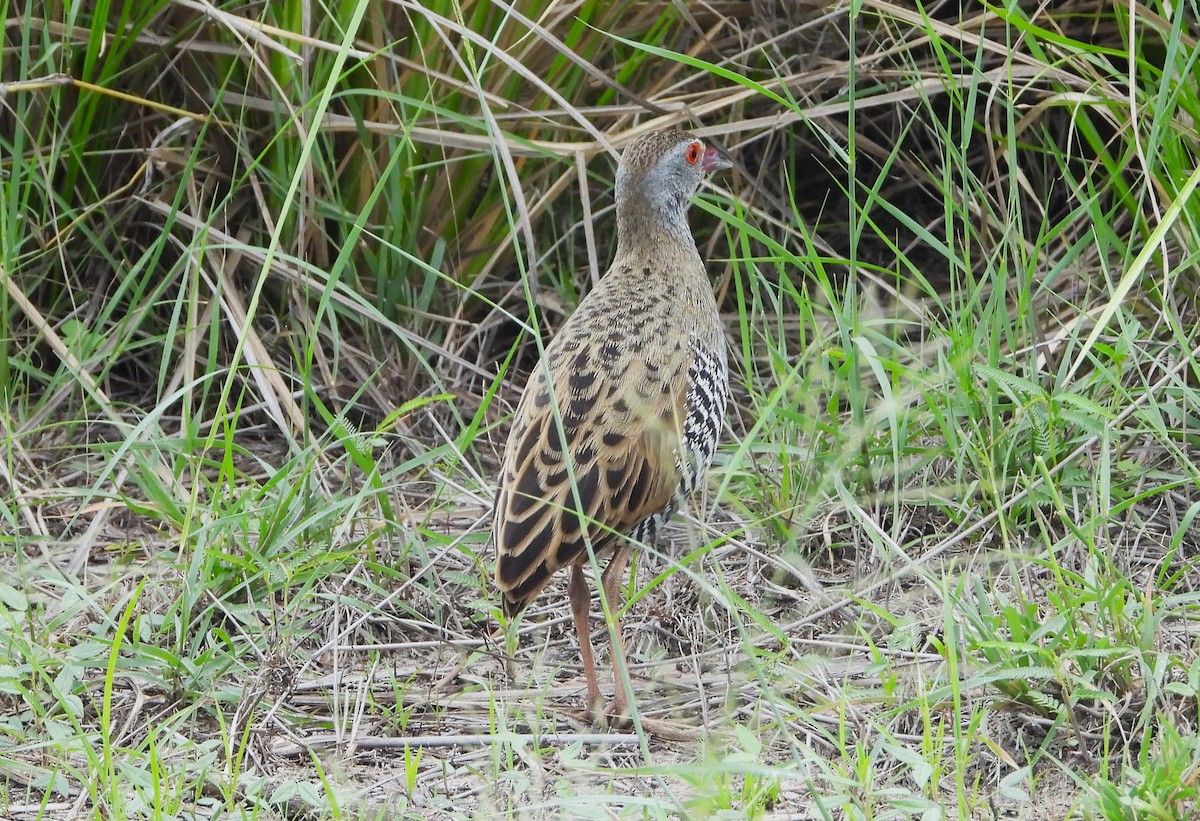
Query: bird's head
[657, 177]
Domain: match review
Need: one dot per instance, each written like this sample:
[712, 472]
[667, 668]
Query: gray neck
[653, 218]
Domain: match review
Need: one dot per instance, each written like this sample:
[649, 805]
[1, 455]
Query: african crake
[640, 381]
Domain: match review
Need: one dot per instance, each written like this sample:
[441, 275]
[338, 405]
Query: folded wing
[613, 464]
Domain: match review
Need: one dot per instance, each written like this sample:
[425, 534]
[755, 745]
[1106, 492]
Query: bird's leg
[581, 602]
[618, 708]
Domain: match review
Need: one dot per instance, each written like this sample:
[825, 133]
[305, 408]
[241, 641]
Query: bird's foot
[616, 716]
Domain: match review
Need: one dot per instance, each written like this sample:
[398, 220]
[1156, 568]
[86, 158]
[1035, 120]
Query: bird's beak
[713, 161]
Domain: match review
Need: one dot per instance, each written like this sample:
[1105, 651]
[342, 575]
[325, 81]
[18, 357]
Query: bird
[620, 420]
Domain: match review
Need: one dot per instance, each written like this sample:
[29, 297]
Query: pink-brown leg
[581, 601]
[618, 708]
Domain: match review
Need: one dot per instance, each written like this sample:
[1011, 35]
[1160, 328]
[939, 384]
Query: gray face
[658, 175]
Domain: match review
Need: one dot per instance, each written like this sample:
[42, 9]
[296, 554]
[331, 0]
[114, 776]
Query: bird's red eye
[693, 153]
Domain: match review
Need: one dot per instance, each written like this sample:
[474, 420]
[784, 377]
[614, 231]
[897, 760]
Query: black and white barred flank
[707, 398]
